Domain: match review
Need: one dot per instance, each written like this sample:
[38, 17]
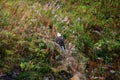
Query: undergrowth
[92, 25]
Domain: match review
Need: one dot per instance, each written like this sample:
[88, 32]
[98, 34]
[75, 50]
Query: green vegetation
[93, 26]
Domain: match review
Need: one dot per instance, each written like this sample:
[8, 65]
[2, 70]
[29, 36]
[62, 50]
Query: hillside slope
[90, 29]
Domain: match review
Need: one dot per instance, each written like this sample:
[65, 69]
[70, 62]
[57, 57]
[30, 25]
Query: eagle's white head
[58, 34]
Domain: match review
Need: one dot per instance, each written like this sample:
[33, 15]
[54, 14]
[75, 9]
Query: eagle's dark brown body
[59, 40]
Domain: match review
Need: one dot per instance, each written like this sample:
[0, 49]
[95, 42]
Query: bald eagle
[59, 40]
